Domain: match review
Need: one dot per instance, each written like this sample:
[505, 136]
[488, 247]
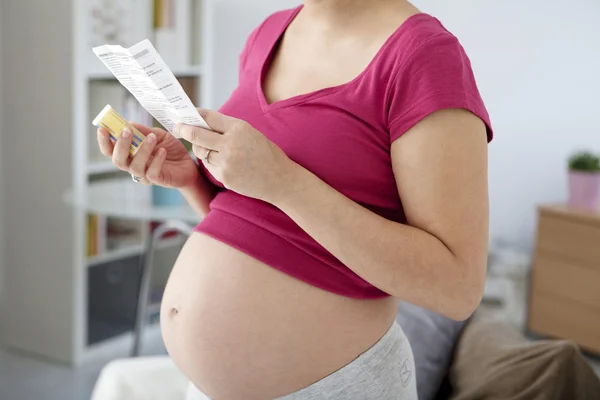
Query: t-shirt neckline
[301, 98]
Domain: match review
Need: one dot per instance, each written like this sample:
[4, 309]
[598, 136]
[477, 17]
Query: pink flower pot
[584, 189]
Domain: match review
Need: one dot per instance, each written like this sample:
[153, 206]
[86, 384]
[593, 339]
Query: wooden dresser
[564, 297]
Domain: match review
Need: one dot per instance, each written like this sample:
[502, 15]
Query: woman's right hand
[161, 160]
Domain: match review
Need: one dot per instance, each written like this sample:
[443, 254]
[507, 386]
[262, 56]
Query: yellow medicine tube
[114, 123]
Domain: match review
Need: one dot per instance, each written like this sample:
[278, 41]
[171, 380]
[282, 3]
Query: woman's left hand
[239, 156]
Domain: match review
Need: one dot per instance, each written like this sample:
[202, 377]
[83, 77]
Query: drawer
[570, 238]
[566, 279]
[555, 317]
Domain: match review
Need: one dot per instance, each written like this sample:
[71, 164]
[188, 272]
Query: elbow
[463, 310]
[464, 295]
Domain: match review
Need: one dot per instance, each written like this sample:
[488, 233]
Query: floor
[25, 378]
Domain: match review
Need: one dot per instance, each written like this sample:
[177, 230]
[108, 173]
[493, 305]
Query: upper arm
[440, 167]
[440, 129]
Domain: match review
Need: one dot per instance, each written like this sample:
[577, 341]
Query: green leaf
[584, 161]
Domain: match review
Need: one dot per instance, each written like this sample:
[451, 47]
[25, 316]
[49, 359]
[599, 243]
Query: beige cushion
[494, 361]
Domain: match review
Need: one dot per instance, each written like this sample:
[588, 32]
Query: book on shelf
[122, 233]
[109, 234]
[96, 234]
[91, 236]
[189, 85]
[172, 31]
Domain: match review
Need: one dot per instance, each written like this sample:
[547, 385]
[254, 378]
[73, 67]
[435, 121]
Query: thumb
[216, 121]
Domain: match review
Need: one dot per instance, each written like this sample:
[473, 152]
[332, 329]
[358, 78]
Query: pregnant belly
[240, 329]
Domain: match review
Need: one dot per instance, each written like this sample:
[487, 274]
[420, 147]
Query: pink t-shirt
[343, 135]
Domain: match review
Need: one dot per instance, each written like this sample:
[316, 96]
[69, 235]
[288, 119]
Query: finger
[140, 161]
[154, 173]
[217, 121]
[104, 142]
[120, 156]
[199, 151]
[206, 157]
[146, 130]
[199, 136]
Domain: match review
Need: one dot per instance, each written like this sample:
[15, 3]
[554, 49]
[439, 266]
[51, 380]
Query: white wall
[243, 17]
[538, 67]
[1, 173]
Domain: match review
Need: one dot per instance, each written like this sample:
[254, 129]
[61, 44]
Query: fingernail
[151, 138]
[126, 133]
[162, 152]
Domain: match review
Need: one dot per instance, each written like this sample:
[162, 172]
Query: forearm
[403, 261]
[199, 195]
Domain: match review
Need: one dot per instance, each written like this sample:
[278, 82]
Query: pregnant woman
[346, 173]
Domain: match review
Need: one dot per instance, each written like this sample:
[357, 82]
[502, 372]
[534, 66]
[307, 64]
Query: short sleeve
[243, 58]
[437, 75]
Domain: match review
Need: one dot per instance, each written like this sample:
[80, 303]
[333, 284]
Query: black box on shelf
[113, 289]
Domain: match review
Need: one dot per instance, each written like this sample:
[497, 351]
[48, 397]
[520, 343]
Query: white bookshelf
[129, 251]
[53, 187]
[98, 187]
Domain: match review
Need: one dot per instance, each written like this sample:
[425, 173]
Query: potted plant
[584, 180]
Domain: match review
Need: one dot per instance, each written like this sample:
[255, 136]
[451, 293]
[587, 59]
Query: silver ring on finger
[206, 155]
[136, 179]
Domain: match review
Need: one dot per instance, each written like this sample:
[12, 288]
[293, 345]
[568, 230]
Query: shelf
[191, 71]
[129, 251]
[101, 167]
[116, 254]
[122, 198]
